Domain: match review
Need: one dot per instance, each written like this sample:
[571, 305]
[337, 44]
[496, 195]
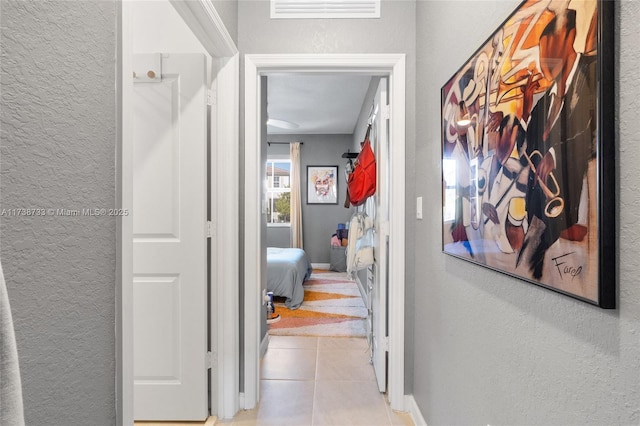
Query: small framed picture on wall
[322, 185]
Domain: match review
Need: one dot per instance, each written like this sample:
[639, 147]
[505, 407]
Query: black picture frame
[322, 184]
[537, 96]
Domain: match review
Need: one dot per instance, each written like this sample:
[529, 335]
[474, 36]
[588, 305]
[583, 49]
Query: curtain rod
[283, 143]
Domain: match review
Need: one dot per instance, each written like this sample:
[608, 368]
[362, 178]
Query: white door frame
[390, 65]
[204, 21]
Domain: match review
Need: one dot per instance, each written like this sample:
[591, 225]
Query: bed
[287, 269]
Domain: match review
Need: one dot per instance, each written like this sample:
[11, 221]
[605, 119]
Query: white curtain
[296, 203]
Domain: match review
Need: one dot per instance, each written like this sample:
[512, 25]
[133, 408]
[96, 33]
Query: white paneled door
[379, 306]
[169, 239]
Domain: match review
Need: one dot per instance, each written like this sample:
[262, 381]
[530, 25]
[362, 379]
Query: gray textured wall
[363, 118]
[320, 221]
[394, 32]
[278, 236]
[228, 11]
[58, 135]
[490, 349]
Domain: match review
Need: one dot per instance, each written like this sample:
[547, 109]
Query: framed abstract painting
[528, 150]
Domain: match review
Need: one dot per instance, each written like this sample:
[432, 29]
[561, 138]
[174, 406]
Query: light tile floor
[319, 381]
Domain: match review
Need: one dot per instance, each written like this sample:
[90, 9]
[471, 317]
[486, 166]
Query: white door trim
[391, 65]
[206, 24]
[225, 249]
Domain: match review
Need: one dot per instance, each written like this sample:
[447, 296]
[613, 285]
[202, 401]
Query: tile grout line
[315, 381]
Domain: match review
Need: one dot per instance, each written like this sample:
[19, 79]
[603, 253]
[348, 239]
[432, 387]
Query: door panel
[169, 241]
[381, 226]
[377, 208]
[156, 160]
[156, 329]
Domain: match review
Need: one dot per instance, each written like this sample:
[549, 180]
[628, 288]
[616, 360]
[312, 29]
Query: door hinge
[210, 230]
[385, 343]
[211, 97]
[386, 112]
[210, 360]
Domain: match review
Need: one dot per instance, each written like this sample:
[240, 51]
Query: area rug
[332, 306]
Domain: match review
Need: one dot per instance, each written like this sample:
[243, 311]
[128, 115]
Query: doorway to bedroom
[323, 327]
[325, 154]
[313, 123]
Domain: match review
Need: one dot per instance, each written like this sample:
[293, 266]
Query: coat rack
[350, 155]
[283, 143]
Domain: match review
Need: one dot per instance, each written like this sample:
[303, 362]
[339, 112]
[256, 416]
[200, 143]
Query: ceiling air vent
[318, 9]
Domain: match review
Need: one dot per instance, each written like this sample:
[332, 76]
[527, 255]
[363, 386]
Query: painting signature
[566, 268]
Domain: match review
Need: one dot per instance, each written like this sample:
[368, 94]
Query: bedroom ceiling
[317, 104]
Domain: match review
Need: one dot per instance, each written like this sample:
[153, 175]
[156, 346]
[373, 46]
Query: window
[278, 184]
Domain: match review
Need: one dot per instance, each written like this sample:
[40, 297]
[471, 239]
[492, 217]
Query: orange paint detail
[312, 296]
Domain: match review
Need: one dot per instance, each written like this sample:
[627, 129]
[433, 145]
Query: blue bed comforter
[287, 269]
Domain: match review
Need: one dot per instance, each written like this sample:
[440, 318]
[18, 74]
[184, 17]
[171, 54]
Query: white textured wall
[58, 143]
[490, 349]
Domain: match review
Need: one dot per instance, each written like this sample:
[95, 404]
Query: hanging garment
[361, 183]
[360, 245]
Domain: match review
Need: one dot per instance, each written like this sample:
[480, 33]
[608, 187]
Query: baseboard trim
[412, 408]
[264, 345]
[321, 265]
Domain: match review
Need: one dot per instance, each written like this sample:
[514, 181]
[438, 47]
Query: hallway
[319, 381]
